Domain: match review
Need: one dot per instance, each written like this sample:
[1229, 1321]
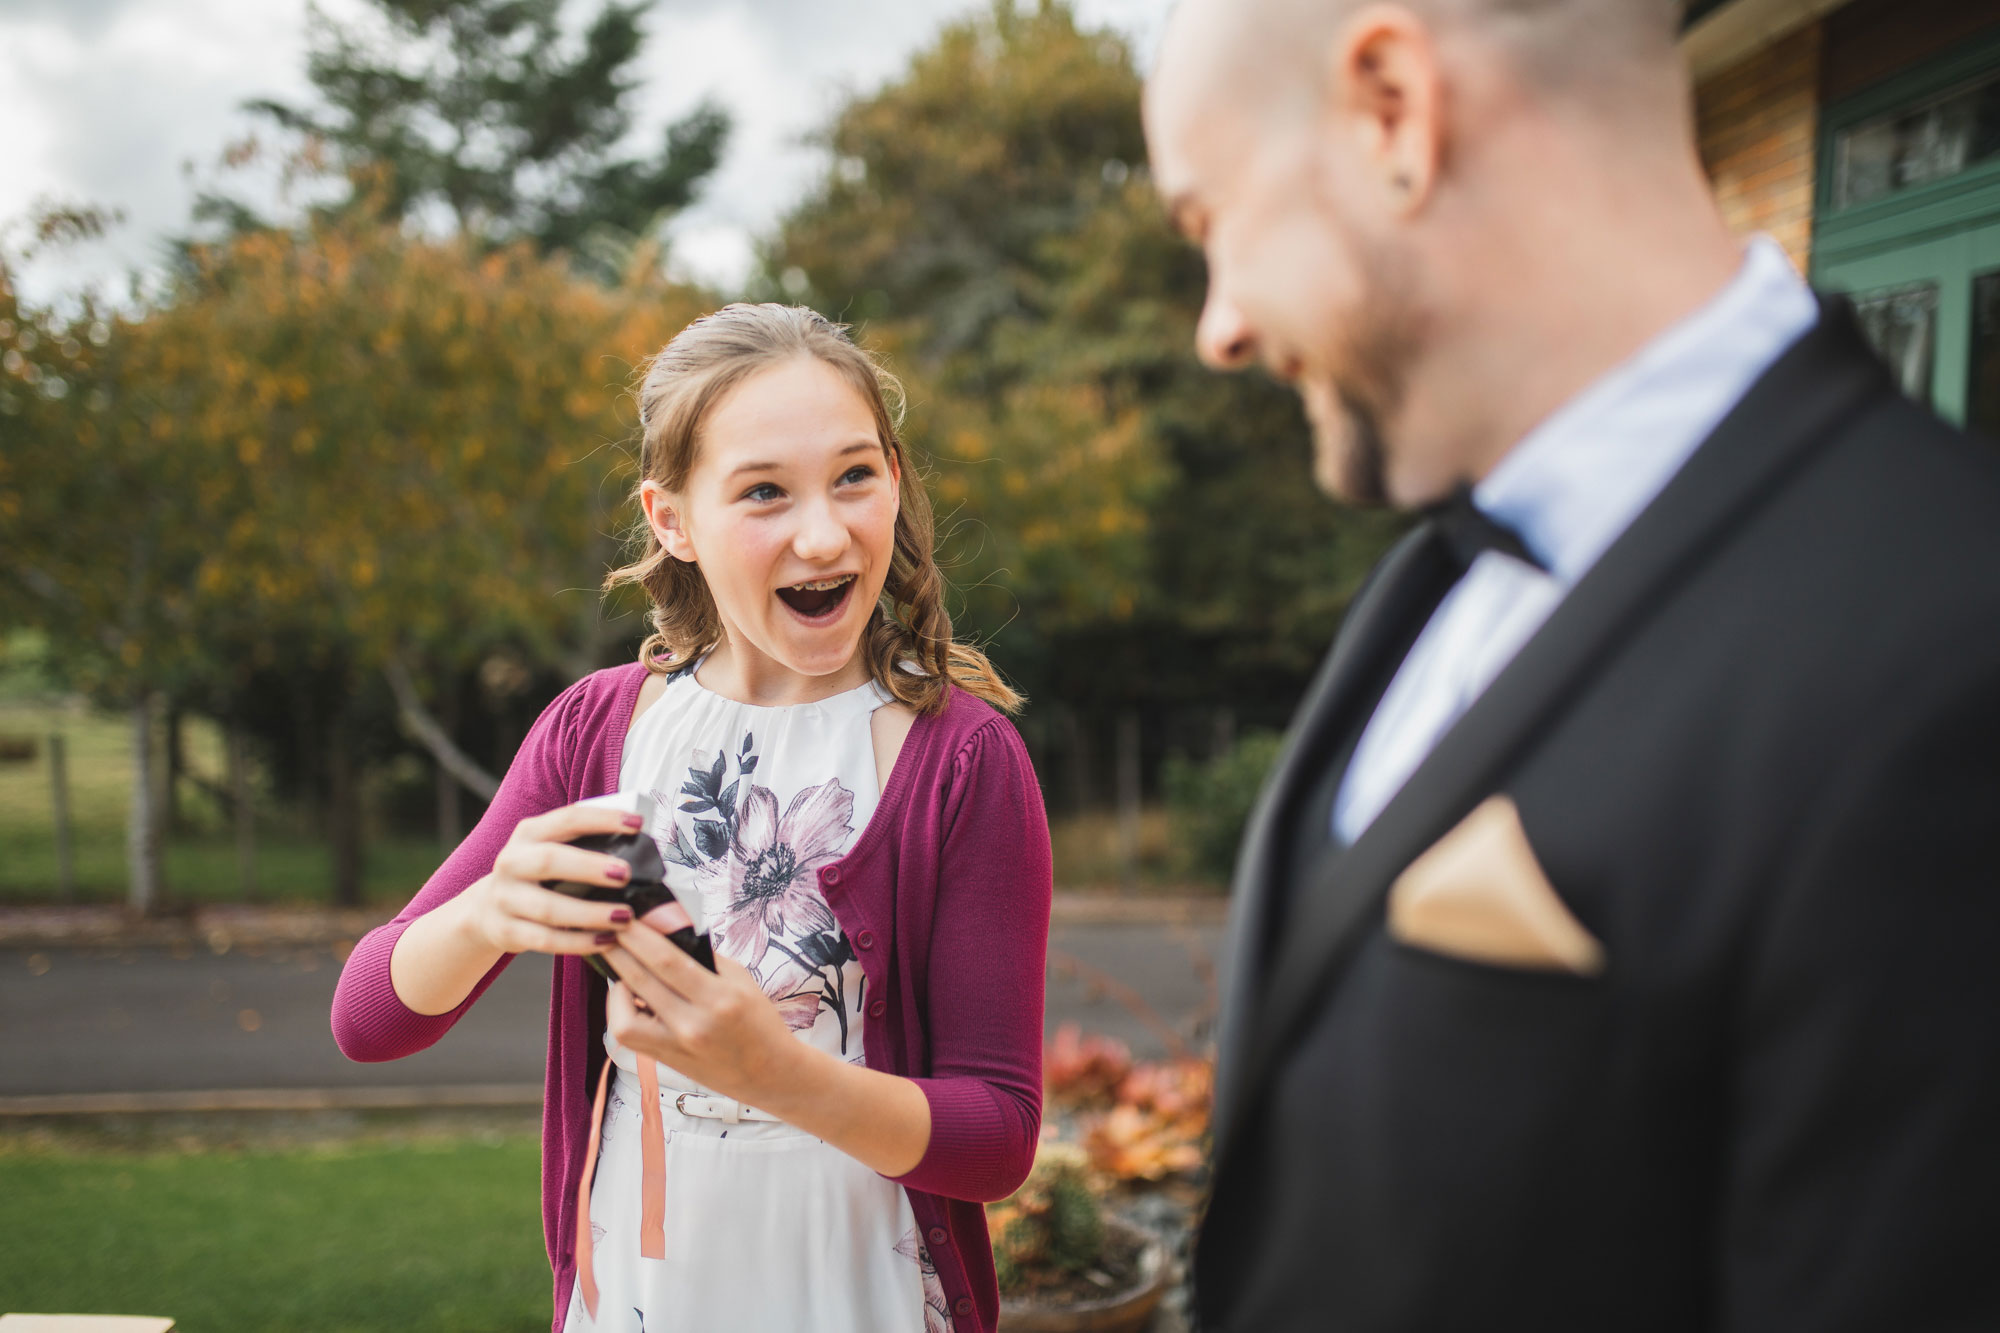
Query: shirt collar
[1575, 482]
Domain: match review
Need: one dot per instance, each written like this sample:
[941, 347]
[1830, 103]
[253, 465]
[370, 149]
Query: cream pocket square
[1479, 894]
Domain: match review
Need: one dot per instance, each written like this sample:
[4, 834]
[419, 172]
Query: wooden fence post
[59, 790]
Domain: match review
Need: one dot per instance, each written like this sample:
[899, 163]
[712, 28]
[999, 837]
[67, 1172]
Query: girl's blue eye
[858, 473]
[763, 493]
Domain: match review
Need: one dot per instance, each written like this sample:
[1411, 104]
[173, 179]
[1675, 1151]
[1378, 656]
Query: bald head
[1274, 53]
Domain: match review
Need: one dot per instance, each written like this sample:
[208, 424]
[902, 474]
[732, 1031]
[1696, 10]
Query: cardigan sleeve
[987, 974]
[370, 1021]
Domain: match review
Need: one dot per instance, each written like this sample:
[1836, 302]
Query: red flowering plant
[1137, 1120]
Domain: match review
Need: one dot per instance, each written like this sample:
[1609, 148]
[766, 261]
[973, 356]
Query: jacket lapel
[1378, 619]
[1810, 389]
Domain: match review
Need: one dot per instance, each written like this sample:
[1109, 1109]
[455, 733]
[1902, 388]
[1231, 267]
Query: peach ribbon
[652, 1179]
[585, 1271]
[652, 1167]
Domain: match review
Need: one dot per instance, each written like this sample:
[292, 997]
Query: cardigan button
[938, 1235]
[865, 940]
[830, 875]
[877, 1008]
[962, 1306]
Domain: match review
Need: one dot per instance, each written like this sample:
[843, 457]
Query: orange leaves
[1130, 1144]
[1139, 1120]
[1082, 1070]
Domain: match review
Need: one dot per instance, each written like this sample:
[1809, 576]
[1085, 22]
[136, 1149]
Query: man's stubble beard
[1351, 449]
[1350, 457]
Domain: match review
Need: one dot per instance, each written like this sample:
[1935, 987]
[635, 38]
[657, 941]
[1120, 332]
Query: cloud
[108, 99]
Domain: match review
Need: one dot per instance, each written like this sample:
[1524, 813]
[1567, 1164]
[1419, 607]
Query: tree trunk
[343, 815]
[238, 758]
[1128, 798]
[145, 880]
[433, 736]
[450, 818]
[305, 736]
[170, 792]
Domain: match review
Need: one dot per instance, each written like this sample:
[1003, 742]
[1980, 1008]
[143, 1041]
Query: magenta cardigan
[946, 897]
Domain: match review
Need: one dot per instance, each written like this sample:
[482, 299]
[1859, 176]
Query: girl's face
[790, 512]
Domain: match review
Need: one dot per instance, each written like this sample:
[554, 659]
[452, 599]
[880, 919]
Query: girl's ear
[665, 521]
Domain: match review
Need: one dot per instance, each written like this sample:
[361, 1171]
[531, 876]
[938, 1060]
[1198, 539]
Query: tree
[411, 440]
[1131, 530]
[481, 109]
[344, 456]
[94, 518]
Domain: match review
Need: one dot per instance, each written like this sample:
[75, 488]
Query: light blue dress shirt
[1569, 489]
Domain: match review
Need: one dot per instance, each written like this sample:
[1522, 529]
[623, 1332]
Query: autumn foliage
[1138, 1120]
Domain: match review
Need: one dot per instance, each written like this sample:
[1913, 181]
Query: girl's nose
[821, 535]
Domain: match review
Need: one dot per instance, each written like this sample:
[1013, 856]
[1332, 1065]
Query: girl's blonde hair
[681, 387]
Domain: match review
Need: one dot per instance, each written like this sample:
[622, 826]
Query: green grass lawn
[441, 1234]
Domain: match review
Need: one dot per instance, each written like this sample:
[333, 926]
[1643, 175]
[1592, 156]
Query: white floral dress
[762, 1226]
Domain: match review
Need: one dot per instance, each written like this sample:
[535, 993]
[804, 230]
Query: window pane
[1917, 145]
[1982, 405]
[1902, 324]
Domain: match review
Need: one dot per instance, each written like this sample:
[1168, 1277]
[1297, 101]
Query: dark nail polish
[621, 915]
[607, 938]
[618, 872]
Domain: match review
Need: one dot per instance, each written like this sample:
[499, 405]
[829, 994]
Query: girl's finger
[539, 906]
[664, 959]
[663, 998]
[525, 937]
[626, 1015]
[574, 821]
[537, 861]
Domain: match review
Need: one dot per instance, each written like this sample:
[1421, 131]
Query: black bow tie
[1468, 532]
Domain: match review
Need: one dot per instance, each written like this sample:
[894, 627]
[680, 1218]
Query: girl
[802, 1138]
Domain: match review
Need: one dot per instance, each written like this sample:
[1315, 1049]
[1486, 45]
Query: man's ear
[664, 519]
[1384, 95]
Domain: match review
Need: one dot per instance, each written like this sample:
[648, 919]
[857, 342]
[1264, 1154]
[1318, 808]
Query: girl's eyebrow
[859, 446]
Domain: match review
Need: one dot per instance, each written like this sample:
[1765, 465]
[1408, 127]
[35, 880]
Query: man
[1617, 944]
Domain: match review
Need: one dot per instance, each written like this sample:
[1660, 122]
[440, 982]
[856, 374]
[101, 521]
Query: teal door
[1931, 308]
[1909, 226]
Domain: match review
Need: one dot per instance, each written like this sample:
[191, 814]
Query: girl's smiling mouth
[818, 601]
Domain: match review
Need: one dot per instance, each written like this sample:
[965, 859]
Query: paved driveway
[155, 1019]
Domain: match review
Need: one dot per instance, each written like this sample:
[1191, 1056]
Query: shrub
[1212, 800]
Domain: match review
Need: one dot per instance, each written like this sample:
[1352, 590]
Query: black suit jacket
[1756, 752]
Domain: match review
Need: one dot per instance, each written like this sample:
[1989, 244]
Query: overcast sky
[109, 101]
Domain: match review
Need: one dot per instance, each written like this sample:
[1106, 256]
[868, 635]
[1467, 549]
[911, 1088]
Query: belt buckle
[733, 1115]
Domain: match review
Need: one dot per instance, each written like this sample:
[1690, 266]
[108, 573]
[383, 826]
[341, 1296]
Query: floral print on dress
[758, 875]
[937, 1310]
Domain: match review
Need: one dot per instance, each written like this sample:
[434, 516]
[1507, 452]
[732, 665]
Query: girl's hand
[508, 911]
[718, 1028]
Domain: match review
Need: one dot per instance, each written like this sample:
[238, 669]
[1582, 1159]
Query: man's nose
[1224, 339]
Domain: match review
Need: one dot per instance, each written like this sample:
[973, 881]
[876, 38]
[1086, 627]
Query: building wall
[1756, 123]
[1869, 40]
